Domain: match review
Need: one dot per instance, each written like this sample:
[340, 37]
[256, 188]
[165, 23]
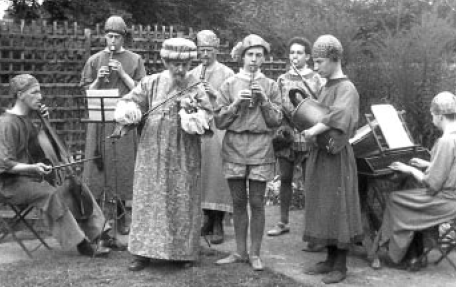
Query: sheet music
[360, 134]
[94, 100]
[391, 126]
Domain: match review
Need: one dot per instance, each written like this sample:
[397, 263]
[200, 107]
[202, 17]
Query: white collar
[211, 66]
[303, 71]
[248, 75]
[122, 49]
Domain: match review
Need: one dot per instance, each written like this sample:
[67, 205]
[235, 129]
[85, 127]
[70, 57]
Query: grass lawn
[59, 269]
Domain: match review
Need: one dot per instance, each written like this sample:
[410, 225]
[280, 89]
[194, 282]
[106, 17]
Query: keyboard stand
[374, 186]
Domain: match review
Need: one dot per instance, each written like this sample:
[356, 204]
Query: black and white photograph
[207, 143]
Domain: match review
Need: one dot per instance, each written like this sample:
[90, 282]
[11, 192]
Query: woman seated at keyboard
[410, 211]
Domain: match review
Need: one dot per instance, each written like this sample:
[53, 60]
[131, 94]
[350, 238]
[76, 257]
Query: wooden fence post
[88, 43]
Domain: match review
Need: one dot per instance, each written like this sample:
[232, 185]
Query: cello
[74, 192]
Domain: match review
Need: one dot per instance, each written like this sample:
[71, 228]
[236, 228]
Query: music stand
[392, 127]
[101, 105]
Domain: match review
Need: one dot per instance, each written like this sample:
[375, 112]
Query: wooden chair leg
[10, 230]
[376, 263]
[444, 255]
[20, 216]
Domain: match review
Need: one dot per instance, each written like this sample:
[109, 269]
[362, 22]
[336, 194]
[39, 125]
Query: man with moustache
[216, 198]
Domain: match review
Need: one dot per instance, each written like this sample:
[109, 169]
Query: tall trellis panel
[55, 54]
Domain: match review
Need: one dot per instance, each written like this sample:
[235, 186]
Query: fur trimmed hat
[443, 103]
[327, 46]
[250, 41]
[21, 83]
[207, 38]
[178, 49]
[115, 24]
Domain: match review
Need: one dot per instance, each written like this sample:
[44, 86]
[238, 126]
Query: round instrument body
[310, 112]
[73, 191]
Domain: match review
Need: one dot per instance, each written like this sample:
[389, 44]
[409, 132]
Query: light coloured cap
[327, 46]
[178, 49]
[22, 83]
[116, 24]
[444, 103]
[250, 41]
[207, 38]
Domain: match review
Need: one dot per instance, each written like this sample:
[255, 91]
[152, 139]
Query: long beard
[179, 81]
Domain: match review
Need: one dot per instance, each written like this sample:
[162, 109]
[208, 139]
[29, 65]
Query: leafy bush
[407, 69]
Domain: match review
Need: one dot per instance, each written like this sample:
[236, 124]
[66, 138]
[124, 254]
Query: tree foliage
[410, 62]
[25, 9]
[394, 49]
[81, 11]
[198, 14]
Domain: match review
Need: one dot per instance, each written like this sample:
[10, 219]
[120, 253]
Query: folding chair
[444, 241]
[8, 225]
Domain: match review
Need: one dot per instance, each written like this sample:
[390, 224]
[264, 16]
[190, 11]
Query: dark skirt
[332, 206]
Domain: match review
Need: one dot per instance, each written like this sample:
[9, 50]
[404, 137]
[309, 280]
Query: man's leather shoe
[86, 249]
[335, 276]
[123, 229]
[101, 251]
[319, 268]
[313, 247]
[217, 239]
[416, 264]
[138, 264]
[122, 226]
[208, 226]
[279, 229]
[256, 263]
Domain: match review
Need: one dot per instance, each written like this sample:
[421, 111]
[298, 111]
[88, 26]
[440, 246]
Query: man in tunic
[249, 109]
[166, 219]
[295, 150]
[216, 198]
[408, 212]
[22, 172]
[112, 68]
[332, 208]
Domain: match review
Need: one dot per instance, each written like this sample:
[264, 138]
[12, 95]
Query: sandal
[280, 229]
[233, 258]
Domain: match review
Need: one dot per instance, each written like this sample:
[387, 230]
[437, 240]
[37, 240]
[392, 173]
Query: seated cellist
[21, 177]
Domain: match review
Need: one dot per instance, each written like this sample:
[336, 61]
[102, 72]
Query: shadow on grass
[59, 269]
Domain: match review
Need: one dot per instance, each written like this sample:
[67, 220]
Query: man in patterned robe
[166, 217]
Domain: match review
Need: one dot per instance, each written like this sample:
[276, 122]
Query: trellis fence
[55, 54]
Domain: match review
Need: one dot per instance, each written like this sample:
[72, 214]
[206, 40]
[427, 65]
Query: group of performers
[206, 143]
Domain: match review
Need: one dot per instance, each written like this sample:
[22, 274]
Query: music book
[360, 134]
[99, 101]
[392, 127]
